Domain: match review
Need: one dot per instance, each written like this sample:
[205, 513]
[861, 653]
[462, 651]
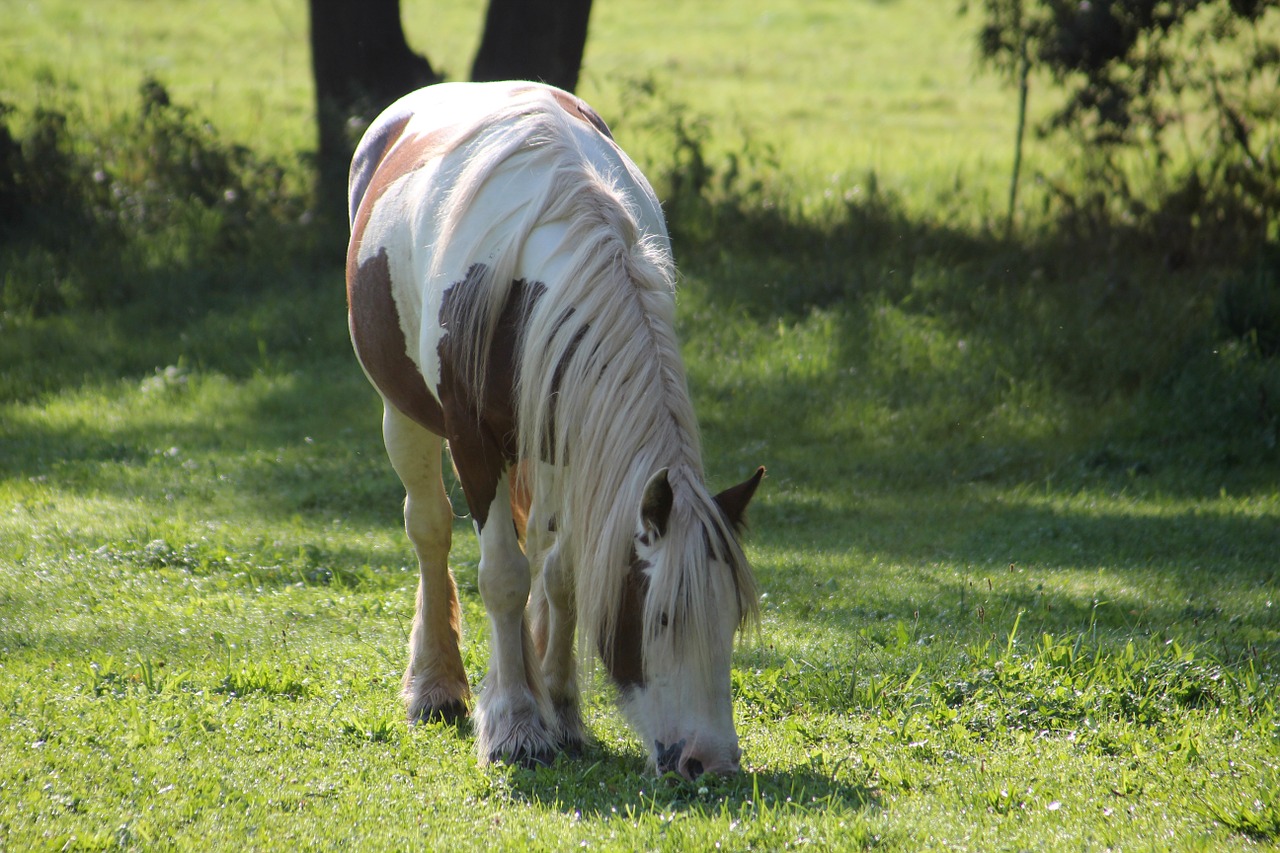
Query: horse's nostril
[668, 757]
[693, 769]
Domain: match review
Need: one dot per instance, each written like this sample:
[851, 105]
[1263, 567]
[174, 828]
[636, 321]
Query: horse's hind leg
[435, 683]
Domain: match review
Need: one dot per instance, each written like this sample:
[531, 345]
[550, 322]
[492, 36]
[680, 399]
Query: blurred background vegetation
[1076, 203]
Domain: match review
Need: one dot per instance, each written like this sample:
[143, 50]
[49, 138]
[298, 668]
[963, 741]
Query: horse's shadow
[604, 783]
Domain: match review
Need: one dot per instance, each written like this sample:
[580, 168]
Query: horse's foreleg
[558, 664]
[553, 616]
[513, 716]
[435, 683]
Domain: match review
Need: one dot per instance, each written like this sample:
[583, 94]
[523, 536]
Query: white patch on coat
[407, 217]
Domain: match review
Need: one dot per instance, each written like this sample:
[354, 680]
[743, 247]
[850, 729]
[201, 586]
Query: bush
[156, 206]
[1248, 309]
[1171, 109]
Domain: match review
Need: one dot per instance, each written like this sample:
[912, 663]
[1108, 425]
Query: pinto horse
[511, 291]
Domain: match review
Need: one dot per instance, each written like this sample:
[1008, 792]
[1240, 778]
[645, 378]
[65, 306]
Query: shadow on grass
[605, 786]
[1201, 573]
[962, 338]
[775, 263]
[266, 321]
[260, 398]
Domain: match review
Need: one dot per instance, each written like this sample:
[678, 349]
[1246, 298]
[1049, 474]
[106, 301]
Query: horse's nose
[725, 763]
[695, 761]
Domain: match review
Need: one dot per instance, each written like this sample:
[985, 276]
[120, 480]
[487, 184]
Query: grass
[206, 600]
[843, 89]
[1018, 553]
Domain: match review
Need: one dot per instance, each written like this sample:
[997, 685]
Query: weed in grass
[371, 727]
[249, 675]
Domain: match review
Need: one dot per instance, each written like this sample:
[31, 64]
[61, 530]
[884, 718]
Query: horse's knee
[429, 523]
[504, 582]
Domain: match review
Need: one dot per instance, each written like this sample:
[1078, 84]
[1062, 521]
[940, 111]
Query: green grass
[206, 596]
[1018, 551]
[840, 89]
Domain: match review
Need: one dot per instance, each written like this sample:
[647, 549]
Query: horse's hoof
[450, 713]
[571, 735]
[573, 747]
[527, 760]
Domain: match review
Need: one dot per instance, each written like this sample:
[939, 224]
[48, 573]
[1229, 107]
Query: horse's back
[428, 123]
[444, 182]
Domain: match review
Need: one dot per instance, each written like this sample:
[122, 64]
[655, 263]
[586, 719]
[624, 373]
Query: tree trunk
[361, 63]
[533, 40]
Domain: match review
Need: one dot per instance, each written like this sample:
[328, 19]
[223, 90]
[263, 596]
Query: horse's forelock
[673, 621]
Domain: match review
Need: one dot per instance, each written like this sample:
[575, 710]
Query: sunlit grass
[840, 90]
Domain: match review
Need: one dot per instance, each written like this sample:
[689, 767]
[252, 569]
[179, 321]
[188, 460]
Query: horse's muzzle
[673, 758]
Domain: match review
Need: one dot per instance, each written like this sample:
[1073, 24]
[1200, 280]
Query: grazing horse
[511, 291]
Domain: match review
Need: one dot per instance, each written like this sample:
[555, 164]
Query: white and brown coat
[511, 290]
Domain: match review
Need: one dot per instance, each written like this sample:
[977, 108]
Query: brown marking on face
[380, 344]
[580, 110]
[623, 655]
[483, 435]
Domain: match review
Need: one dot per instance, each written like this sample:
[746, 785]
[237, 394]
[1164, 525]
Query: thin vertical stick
[1024, 71]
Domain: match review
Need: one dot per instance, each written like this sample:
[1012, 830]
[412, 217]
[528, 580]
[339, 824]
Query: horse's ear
[655, 506]
[733, 500]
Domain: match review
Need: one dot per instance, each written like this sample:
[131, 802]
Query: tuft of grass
[1253, 815]
[248, 675]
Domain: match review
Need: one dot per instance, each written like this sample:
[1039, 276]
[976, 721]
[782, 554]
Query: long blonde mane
[601, 388]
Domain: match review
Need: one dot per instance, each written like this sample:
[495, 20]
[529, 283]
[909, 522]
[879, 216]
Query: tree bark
[361, 63]
[533, 40]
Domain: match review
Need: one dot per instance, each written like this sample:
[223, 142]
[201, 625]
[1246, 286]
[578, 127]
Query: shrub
[1171, 109]
[155, 206]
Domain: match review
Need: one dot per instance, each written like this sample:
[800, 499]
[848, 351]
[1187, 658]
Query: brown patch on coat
[580, 110]
[373, 147]
[376, 333]
[623, 653]
[380, 343]
[386, 136]
[482, 432]
[521, 498]
[397, 159]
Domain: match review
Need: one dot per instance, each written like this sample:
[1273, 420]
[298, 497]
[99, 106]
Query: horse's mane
[601, 387]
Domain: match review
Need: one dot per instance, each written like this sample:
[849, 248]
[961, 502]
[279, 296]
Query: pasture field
[843, 88]
[1018, 544]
